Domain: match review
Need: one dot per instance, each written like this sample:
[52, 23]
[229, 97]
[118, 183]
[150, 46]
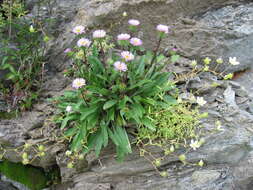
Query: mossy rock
[32, 177]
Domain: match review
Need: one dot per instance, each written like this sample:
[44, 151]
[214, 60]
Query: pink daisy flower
[83, 42]
[78, 83]
[120, 66]
[127, 56]
[135, 41]
[162, 28]
[123, 37]
[99, 34]
[134, 22]
[78, 30]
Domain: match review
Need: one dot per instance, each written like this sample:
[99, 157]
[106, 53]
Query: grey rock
[229, 96]
[201, 37]
[205, 176]
[7, 186]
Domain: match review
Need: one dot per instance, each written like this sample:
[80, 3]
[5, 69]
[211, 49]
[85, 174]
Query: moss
[7, 115]
[32, 177]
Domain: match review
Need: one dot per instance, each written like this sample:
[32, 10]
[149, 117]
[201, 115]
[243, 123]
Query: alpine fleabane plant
[112, 92]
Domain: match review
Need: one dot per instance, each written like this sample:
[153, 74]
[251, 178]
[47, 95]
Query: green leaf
[92, 121]
[97, 90]
[174, 58]
[70, 94]
[99, 143]
[110, 114]
[137, 109]
[70, 132]
[67, 119]
[109, 104]
[141, 67]
[85, 112]
[78, 139]
[105, 134]
[148, 123]
[139, 84]
[160, 58]
[170, 100]
[96, 64]
[10, 67]
[120, 139]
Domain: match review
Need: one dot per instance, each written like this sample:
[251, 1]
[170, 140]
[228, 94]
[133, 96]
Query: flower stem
[156, 50]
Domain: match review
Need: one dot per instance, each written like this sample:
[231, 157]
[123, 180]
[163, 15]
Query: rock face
[199, 28]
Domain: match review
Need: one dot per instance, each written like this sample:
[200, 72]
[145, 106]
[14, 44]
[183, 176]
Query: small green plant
[112, 91]
[177, 127]
[22, 61]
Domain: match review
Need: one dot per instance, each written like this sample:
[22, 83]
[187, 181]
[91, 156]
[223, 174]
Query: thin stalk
[10, 18]
[156, 50]
[102, 52]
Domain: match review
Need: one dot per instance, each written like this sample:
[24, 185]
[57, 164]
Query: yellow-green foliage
[174, 124]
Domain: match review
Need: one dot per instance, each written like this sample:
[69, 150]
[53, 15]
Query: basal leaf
[109, 104]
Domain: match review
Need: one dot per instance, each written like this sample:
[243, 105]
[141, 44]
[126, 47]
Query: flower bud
[42, 154]
[46, 39]
[204, 115]
[26, 146]
[25, 161]
[70, 165]
[172, 148]
[228, 76]
[41, 148]
[24, 155]
[207, 60]
[157, 162]
[206, 68]
[124, 14]
[219, 60]
[182, 157]
[31, 29]
[201, 163]
[164, 174]
[194, 63]
[81, 157]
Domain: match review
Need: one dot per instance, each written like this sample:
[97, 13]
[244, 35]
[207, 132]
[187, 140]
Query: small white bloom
[195, 144]
[78, 30]
[179, 100]
[233, 61]
[124, 14]
[134, 22]
[68, 109]
[68, 153]
[78, 83]
[99, 34]
[123, 37]
[194, 63]
[127, 56]
[200, 101]
[135, 41]
[83, 42]
[192, 98]
[162, 28]
[219, 126]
